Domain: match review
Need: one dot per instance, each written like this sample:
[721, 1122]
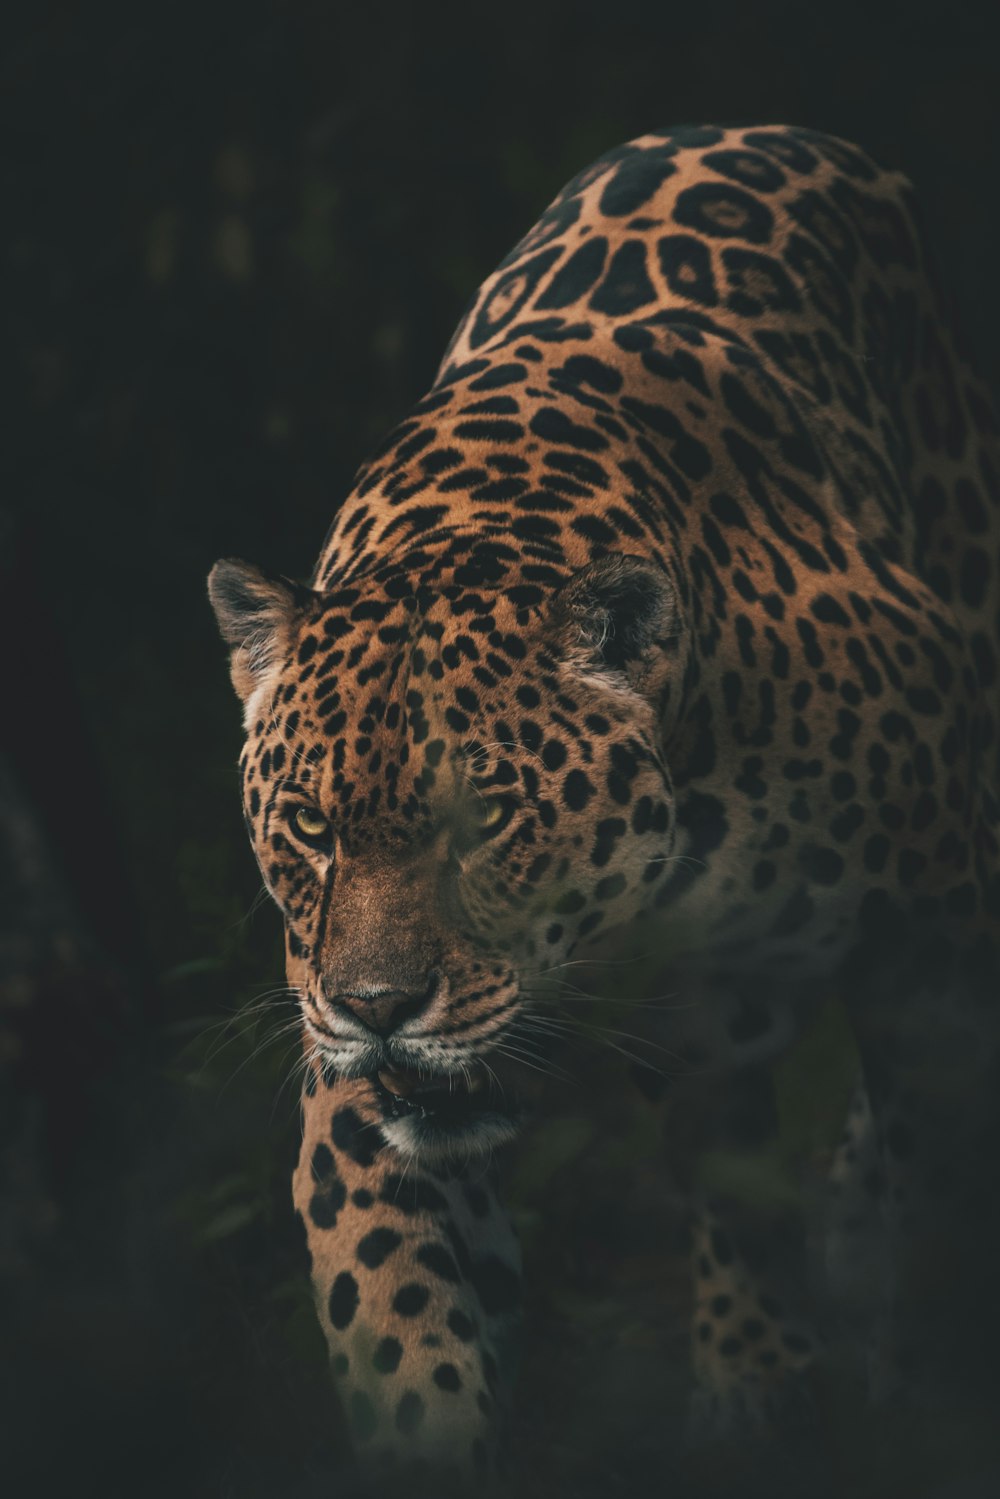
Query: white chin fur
[421, 1139]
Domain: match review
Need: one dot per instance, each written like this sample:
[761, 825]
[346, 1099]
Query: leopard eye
[312, 825]
[483, 818]
[495, 812]
[492, 812]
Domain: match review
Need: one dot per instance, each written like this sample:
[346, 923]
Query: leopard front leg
[750, 1344]
[857, 1282]
[416, 1274]
[747, 1354]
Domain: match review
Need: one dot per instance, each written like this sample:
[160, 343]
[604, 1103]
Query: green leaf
[759, 1180]
[813, 1083]
[229, 1222]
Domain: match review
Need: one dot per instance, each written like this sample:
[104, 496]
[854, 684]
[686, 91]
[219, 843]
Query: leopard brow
[285, 789]
[288, 785]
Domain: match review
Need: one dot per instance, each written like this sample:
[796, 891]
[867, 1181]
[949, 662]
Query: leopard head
[448, 789]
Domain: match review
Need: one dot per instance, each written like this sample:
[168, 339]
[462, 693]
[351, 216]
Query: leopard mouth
[449, 1100]
[458, 1115]
[446, 1117]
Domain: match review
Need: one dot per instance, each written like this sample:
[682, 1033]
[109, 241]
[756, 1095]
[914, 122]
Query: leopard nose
[384, 1010]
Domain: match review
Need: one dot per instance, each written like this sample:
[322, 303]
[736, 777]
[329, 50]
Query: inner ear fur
[256, 614]
[618, 616]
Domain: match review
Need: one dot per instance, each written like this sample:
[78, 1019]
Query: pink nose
[384, 1010]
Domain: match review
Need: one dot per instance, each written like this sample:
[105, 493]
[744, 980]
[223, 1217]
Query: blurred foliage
[813, 1083]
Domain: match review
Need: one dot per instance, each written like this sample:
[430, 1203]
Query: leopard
[666, 622]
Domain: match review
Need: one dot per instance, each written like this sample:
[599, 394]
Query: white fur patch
[419, 1138]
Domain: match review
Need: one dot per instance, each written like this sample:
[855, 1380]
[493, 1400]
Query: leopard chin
[445, 1115]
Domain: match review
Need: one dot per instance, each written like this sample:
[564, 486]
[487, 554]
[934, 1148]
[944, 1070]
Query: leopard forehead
[391, 710]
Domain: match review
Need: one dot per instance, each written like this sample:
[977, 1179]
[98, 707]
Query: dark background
[239, 238]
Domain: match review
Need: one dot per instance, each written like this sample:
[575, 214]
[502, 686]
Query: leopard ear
[256, 614]
[618, 618]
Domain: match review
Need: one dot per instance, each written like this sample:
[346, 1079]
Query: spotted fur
[671, 608]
